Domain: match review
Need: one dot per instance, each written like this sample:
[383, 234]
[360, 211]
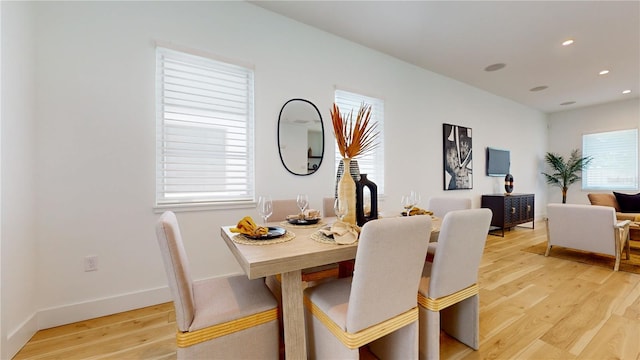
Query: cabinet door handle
[528, 208]
[513, 210]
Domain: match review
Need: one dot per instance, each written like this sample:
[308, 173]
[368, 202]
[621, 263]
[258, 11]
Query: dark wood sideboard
[510, 210]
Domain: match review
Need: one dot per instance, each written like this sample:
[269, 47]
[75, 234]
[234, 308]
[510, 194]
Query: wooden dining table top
[263, 260]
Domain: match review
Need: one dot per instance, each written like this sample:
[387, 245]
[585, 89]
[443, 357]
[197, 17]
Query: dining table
[288, 259]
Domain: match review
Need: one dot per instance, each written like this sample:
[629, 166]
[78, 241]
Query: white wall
[567, 127]
[96, 144]
[18, 207]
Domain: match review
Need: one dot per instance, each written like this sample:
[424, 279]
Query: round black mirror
[300, 137]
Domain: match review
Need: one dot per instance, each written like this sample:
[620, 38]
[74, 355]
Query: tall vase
[362, 215]
[347, 192]
[354, 169]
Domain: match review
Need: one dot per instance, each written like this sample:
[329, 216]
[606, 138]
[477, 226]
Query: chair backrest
[584, 227]
[463, 234]
[327, 207]
[388, 268]
[282, 208]
[442, 205]
[176, 265]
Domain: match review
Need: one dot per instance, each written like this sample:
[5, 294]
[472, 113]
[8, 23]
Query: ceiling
[459, 39]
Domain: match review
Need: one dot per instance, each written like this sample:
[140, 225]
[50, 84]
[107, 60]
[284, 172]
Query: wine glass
[414, 198]
[265, 207]
[303, 201]
[406, 204]
[340, 208]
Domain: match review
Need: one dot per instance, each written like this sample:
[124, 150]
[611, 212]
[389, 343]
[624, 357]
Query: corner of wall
[20, 336]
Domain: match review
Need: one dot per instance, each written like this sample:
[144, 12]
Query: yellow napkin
[247, 226]
[418, 211]
[343, 233]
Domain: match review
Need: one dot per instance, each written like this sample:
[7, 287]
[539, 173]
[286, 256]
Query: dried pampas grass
[354, 139]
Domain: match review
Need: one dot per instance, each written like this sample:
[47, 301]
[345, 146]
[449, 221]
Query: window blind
[372, 163]
[204, 130]
[615, 160]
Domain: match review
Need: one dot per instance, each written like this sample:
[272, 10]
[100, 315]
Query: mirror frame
[309, 172]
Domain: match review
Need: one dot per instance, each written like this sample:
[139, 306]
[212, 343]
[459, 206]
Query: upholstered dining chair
[377, 306]
[448, 294]
[221, 318]
[327, 207]
[282, 208]
[440, 207]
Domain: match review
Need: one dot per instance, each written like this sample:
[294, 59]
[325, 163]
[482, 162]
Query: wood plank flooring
[532, 307]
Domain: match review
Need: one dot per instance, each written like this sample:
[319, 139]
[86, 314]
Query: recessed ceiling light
[568, 103]
[604, 72]
[495, 67]
[567, 42]
[627, 92]
[539, 88]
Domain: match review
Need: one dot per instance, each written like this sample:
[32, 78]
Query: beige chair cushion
[220, 300]
[604, 199]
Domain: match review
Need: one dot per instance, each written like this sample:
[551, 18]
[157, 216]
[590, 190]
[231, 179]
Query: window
[204, 132]
[615, 160]
[372, 163]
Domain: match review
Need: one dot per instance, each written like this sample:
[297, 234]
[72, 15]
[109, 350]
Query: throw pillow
[628, 203]
[604, 199]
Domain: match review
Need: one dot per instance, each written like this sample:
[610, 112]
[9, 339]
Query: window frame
[614, 137]
[212, 116]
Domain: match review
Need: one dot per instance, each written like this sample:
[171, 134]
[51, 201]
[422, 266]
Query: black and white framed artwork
[458, 159]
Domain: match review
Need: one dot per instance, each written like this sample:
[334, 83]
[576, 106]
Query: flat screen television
[498, 162]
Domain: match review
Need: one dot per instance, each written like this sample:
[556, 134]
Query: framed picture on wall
[457, 157]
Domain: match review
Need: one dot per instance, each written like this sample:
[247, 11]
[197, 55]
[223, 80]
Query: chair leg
[322, 344]
[429, 334]
[462, 321]
[628, 247]
[546, 253]
[400, 344]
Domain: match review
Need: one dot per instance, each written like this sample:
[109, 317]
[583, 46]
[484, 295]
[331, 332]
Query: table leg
[293, 316]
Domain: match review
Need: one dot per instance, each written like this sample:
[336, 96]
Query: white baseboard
[90, 309]
[18, 337]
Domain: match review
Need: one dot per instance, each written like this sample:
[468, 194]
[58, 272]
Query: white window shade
[615, 160]
[204, 132]
[372, 163]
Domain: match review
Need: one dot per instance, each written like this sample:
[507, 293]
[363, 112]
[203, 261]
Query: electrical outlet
[91, 263]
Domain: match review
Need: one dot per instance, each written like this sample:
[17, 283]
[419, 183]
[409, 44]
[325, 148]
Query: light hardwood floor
[532, 307]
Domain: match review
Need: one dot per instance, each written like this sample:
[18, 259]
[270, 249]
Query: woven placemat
[322, 238]
[309, 226]
[241, 239]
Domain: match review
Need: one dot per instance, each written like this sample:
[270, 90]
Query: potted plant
[564, 173]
